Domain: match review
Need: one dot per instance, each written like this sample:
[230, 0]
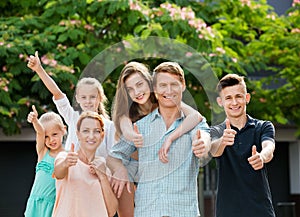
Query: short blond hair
[168, 67]
[52, 117]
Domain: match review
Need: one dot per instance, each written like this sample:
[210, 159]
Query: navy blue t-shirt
[243, 191]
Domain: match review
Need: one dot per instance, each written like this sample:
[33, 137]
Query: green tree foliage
[234, 36]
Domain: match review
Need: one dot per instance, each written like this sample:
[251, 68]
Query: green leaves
[242, 37]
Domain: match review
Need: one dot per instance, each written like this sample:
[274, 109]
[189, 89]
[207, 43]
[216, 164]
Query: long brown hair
[123, 104]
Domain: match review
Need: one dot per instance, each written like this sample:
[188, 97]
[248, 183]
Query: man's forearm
[217, 147]
[268, 148]
[113, 163]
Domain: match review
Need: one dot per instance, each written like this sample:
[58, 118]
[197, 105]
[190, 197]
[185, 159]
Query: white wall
[294, 158]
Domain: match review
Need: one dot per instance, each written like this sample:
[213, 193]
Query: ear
[65, 130]
[154, 91]
[76, 97]
[183, 86]
[219, 101]
[248, 97]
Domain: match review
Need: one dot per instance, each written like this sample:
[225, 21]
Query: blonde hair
[92, 115]
[103, 99]
[52, 117]
[123, 104]
[168, 67]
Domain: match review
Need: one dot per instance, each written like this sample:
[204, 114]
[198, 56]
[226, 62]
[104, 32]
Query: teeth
[140, 97]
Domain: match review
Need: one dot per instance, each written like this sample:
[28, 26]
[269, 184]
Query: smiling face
[234, 100]
[168, 89]
[90, 134]
[88, 98]
[138, 89]
[53, 135]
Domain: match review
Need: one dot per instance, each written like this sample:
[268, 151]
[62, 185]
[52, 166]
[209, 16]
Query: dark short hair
[230, 80]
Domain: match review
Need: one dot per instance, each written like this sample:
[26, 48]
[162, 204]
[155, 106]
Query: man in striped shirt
[164, 189]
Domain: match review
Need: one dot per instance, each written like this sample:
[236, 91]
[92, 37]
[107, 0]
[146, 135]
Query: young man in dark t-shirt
[241, 145]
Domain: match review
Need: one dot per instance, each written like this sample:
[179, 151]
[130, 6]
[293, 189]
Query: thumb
[253, 150]
[72, 147]
[228, 124]
[36, 54]
[135, 128]
[34, 109]
[198, 134]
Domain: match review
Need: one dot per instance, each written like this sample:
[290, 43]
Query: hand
[137, 138]
[119, 181]
[256, 160]
[98, 167]
[199, 147]
[72, 157]
[163, 151]
[34, 62]
[228, 135]
[32, 116]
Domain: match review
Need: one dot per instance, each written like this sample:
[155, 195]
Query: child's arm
[40, 133]
[193, 117]
[130, 133]
[61, 165]
[35, 64]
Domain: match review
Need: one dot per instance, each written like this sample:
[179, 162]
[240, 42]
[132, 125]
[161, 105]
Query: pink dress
[79, 194]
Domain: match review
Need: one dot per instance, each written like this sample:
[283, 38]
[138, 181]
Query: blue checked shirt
[163, 189]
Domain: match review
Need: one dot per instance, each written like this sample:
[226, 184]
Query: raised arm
[34, 63]
[40, 133]
[193, 117]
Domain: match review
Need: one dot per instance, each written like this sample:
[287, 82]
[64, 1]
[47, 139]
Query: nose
[51, 139]
[89, 99]
[168, 89]
[91, 134]
[136, 91]
[234, 101]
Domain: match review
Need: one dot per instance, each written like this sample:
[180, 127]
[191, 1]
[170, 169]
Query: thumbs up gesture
[34, 62]
[256, 160]
[33, 115]
[72, 157]
[201, 144]
[137, 138]
[228, 134]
